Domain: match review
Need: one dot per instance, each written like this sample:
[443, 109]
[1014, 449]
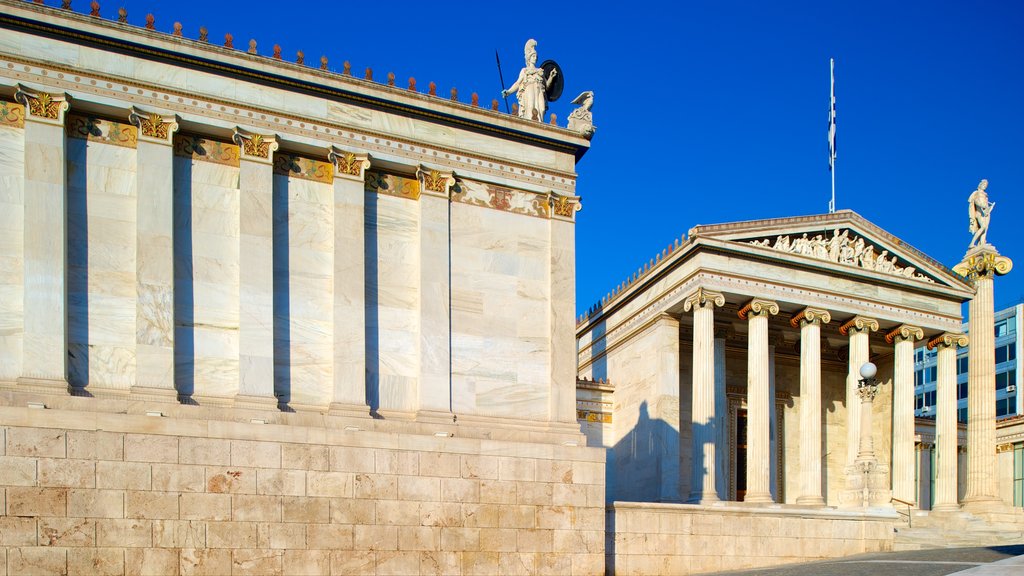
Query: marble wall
[12, 237]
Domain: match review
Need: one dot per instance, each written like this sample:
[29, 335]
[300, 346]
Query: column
[154, 246]
[903, 411]
[663, 407]
[45, 351]
[256, 270]
[562, 267]
[980, 266]
[703, 484]
[435, 292]
[858, 329]
[760, 401]
[349, 278]
[810, 320]
[945, 421]
[722, 469]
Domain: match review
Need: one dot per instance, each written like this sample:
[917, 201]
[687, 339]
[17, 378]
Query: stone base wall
[690, 539]
[96, 493]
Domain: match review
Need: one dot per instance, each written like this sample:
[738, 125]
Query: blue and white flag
[832, 119]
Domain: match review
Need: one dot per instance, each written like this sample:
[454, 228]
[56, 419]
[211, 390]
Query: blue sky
[714, 111]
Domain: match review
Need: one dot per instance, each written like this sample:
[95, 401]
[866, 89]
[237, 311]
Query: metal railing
[909, 514]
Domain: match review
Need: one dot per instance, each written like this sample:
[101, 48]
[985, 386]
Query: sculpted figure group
[842, 249]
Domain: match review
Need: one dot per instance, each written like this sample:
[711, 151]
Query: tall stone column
[945, 421]
[435, 293]
[810, 320]
[256, 270]
[562, 267]
[154, 256]
[980, 266]
[703, 421]
[45, 352]
[903, 411]
[760, 401]
[858, 330]
[349, 278]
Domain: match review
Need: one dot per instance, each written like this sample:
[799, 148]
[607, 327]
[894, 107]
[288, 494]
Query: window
[1018, 474]
[961, 365]
[1005, 406]
[961, 415]
[1004, 353]
[1001, 329]
[1001, 380]
[930, 373]
[918, 402]
[929, 398]
[961, 391]
[919, 378]
[919, 356]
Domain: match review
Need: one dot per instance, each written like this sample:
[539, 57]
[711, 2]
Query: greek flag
[832, 119]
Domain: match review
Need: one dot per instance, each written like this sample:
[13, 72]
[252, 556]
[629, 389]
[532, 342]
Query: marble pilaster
[945, 421]
[435, 390]
[45, 351]
[256, 269]
[810, 320]
[981, 265]
[154, 245]
[349, 332]
[562, 406]
[903, 338]
[760, 400]
[858, 329]
[703, 487]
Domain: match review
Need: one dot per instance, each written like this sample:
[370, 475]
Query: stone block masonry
[146, 496]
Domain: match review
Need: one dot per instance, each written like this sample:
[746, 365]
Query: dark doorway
[741, 454]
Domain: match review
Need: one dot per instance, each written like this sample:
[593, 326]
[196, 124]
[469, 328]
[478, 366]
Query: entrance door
[740, 480]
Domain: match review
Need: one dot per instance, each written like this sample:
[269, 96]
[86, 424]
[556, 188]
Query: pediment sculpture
[842, 248]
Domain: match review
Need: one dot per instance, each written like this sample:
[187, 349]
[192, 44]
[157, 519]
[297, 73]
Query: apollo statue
[980, 211]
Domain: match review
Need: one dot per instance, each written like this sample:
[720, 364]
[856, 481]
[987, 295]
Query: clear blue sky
[714, 111]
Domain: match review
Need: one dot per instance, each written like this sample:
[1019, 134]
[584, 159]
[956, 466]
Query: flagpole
[832, 137]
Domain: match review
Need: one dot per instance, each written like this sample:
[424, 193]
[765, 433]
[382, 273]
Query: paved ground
[914, 563]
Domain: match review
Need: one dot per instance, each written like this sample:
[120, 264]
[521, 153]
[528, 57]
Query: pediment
[843, 239]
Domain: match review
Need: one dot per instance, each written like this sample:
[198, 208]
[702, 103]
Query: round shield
[554, 91]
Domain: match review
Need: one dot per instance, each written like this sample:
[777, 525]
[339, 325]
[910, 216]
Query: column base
[982, 504]
[946, 508]
[703, 499]
[151, 394]
[44, 384]
[867, 486]
[256, 402]
[810, 501]
[764, 498]
[344, 410]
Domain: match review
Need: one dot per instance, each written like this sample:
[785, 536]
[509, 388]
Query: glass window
[1002, 354]
[961, 391]
[961, 365]
[961, 415]
[1006, 405]
[1001, 329]
[919, 378]
[932, 371]
[929, 398]
[1001, 380]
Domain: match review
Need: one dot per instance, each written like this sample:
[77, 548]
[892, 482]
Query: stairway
[925, 529]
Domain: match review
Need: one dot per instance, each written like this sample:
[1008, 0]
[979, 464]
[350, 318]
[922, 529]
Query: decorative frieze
[842, 248]
[199, 148]
[304, 168]
[393, 185]
[12, 114]
[593, 416]
[100, 130]
[501, 198]
[42, 105]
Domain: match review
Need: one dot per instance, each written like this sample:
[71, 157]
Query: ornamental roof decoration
[842, 247]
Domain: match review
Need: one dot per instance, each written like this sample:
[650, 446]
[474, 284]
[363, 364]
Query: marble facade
[261, 317]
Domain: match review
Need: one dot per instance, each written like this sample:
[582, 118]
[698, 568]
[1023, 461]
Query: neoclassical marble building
[728, 369]
[259, 316]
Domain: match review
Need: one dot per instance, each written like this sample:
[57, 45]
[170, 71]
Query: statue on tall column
[534, 85]
[980, 211]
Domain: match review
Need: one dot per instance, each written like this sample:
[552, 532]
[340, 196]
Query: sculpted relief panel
[842, 248]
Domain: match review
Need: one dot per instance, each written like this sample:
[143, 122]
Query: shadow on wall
[282, 293]
[184, 286]
[371, 300]
[78, 266]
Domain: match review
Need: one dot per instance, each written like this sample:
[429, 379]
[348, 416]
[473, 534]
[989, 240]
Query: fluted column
[154, 245]
[703, 303]
[858, 330]
[980, 266]
[45, 347]
[256, 269]
[435, 394]
[903, 411]
[945, 421]
[810, 320]
[349, 278]
[759, 400]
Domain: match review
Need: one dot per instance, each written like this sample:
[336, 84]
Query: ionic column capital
[702, 298]
[435, 182]
[348, 164]
[758, 307]
[42, 106]
[983, 264]
[858, 324]
[810, 316]
[153, 126]
[255, 147]
[904, 332]
[948, 340]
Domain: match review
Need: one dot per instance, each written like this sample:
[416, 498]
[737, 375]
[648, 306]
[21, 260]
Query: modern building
[1009, 324]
